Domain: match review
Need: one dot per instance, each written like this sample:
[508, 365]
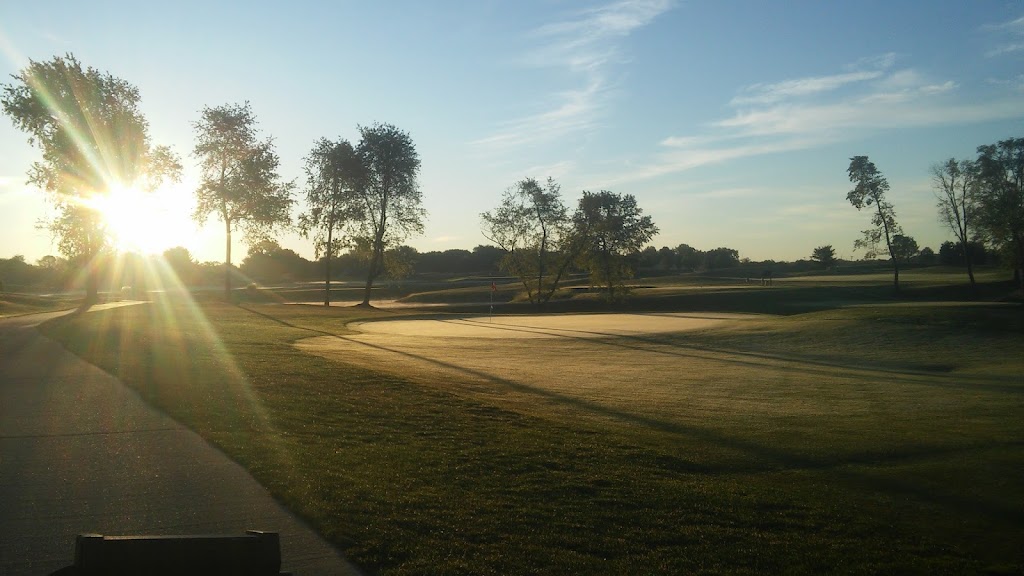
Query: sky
[731, 122]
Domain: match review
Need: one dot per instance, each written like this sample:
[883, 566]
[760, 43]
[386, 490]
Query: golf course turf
[862, 439]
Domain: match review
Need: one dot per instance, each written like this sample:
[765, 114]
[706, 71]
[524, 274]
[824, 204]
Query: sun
[147, 222]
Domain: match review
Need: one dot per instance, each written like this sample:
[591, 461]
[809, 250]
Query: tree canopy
[93, 139]
[869, 191]
[239, 182]
[825, 256]
[334, 178]
[391, 203]
[532, 225]
[1001, 200]
[610, 226]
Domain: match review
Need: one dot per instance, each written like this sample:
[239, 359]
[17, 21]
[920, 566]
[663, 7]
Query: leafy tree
[180, 261]
[610, 227]
[904, 247]
[689, 257]
[721, 258]
[956, 186]
[269, 262]
[869, 190]
[486, 259]
[238, 178]
[390, 199]
[953, 253]
[926, 256]
[825, 256]
[531, 225]
[334, 174]
[1001, 200]
[93, 139]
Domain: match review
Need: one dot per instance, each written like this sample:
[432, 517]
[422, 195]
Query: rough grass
[881, 439]
[12, 304]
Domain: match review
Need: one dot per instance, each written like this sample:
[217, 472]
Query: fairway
[880, 438]
[565, 325]
[652, 370]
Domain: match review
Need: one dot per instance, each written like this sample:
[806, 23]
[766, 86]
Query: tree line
[364, 197]
[979, 200]
[93, 139]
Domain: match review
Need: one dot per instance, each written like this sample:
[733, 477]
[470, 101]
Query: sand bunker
[550, 326]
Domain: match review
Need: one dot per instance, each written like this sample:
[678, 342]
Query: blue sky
[731, 122]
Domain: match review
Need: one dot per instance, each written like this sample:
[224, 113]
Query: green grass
[12, 304]
[878, 439]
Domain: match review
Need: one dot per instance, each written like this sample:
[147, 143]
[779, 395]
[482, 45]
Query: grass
[14, 304]
[872, 439]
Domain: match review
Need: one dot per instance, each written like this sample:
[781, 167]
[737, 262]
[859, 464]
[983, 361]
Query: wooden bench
[251, 554]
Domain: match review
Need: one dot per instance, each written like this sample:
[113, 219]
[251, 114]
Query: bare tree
[239, 181]
[955, 184]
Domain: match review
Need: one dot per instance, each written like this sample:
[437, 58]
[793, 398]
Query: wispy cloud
[771, 93]
[1010, 36]
[802, 113]
[586, 45]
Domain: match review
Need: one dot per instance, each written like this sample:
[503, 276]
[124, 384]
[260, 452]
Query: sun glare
[148, 222]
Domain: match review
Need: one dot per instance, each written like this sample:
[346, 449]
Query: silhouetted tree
[180, 261]
[238, 178]
[825, 256]
[610, 227]
[956, 186]
[269, 262]
[904, 247]
[486, 259]
[926, 256]
[1001, 200]
[721, 258]
[390, 199]
[869, 190]
[334, 175]
[532, 226]
[93, 138]
[689, 257]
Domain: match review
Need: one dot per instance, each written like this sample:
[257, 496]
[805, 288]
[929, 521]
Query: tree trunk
[327, 267]
[375, 262]
[369, 281]
[227, 261]
[970, 273]
[92, 283]
[608, 276]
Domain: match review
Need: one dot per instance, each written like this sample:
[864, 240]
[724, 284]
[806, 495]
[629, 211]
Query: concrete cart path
[80, 452]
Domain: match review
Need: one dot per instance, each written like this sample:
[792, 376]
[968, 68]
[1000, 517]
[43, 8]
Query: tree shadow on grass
[767, 360]
[765, 458]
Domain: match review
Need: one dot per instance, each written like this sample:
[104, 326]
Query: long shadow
[783, 460]
[780, 460]
[974, 383]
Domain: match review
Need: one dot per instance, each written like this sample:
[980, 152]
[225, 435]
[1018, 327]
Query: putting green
[550, 326]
